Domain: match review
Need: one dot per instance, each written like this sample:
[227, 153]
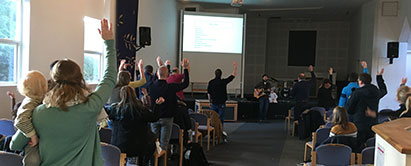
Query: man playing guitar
[262, 92]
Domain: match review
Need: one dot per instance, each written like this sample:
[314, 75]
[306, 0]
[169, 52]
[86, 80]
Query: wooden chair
[366, 156]
[10, 159]
[159, 154]
[318, 136]
[195, 132]
[333, 154]
[287, 120]
[177, 134]
[112, 155]
[204, 125]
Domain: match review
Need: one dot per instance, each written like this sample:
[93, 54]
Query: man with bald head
[160, 88]
[301, 92]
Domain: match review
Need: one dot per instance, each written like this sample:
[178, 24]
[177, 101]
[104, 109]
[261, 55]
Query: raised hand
[403, 80]
[185, 63]
[310, 68]
[12, 96]
[159, 61]
[160, 100]
[168, 62]
[364, 64]
[330, 71]
[140, 65]
[380, 72]
[106, 31]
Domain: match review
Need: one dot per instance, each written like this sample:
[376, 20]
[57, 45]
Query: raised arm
[186, 80]
[364, 66]
[313, 79]
[103, 91]
[403, 81]
[381, 85]
[142, 81]
[235, 69]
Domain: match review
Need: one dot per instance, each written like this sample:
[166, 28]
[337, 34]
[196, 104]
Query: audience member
[301, 92]
[347, 90]
[124, 78]
[150, 78]
[66, 122]
[403, 93]
[217, 91]
[363, 105]
[176, 77]
[33, 87]
[160, 88]
[130, 125]
[262, 91]
[341, 125]
[325, 97]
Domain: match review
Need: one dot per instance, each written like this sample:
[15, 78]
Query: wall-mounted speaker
[392, 50]
[145, 36]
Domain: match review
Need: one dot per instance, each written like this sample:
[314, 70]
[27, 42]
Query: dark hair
[327, 81]
[148, 69]
[353, 77]
[340, 117]
[365, 78]
[53, 63]
[264, 75]
[129, 104]
[218, 73]
[123, 78]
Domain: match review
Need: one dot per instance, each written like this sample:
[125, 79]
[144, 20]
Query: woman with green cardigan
[66, 122]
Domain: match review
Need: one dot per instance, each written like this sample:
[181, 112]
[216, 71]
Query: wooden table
[393, 143]
[231, 109]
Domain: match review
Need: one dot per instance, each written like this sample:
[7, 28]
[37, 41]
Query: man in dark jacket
[160, 88]
[363, 105]
[301, 92]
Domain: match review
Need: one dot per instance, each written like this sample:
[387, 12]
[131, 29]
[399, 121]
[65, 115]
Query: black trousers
[299, 108]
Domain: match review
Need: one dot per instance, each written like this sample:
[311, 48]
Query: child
[130, 125]
[33, 87]
[341, 125]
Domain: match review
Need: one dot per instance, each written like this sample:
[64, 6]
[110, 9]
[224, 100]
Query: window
[93, 50]
[10, 39]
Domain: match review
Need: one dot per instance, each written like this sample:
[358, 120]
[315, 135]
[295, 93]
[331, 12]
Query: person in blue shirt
[347, 90]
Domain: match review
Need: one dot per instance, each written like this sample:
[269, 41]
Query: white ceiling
[290, 8]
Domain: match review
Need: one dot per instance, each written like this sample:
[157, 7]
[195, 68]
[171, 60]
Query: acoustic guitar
[258, 93]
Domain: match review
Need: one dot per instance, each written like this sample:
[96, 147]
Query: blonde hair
[340, 117]
[407, 104]
[402, 94]
[33, 85]
[69, 85]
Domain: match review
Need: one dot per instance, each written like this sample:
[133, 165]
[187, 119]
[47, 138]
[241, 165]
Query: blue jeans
[219, 108]
[263, 104]
[163, 129]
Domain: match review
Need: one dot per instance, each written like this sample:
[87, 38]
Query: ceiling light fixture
[236, 3]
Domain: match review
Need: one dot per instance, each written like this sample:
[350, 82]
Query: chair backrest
[105, 135]
[333, 154]
[319, 109]
[368, 155]
[10, 159]
[6, 127]
[175, 131]
[111, 154]
[322, 134]
[370, 142]
[201, 119]
[328, 125]
[193, 123]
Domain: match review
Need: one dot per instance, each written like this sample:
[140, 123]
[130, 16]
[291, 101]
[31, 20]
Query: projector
[236, 3]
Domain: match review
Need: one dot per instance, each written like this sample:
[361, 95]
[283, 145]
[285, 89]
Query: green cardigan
[72, 138]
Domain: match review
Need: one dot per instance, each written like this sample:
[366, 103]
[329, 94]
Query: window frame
[17, 42]
[101, 54]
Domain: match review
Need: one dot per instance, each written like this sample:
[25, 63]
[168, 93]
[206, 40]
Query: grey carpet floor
[257, 144]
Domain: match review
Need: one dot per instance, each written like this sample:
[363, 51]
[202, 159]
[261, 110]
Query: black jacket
[301, 90]
[325, 98]
[160, 88]
[367, 96]
[131, 132]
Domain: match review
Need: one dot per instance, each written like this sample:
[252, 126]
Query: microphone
[273, 79]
